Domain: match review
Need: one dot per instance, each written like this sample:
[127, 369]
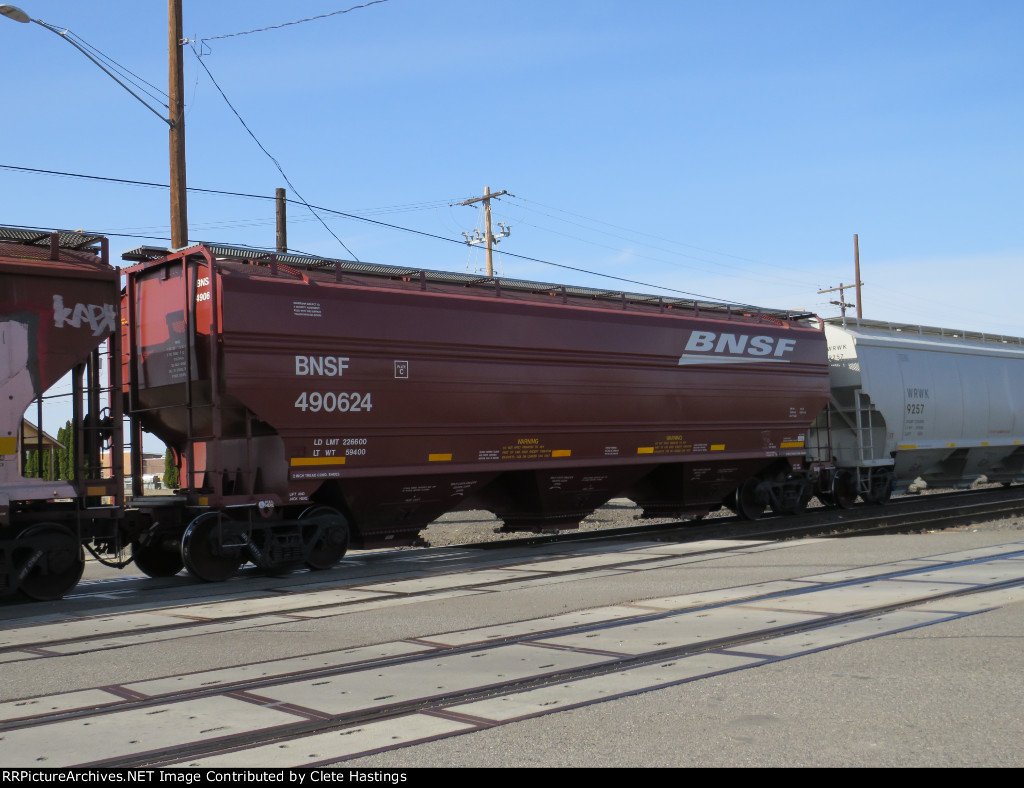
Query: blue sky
[729, 148]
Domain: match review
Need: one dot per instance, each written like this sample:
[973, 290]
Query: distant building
[30, 440]
[152, 470]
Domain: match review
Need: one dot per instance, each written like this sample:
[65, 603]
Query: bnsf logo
[709, 346]
[329, 366]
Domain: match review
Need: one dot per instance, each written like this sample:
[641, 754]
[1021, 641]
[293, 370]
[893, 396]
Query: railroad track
[904, 514]
[346, 595]
[333, 706]
[901, 514]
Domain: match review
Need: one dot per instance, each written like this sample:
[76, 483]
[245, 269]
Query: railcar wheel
[331, 543]
[199, 554]
[844, 490]
[154, 561]
[750, 501]
[55, 566]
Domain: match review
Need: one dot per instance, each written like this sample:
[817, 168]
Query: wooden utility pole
[841, 303]
[489, 239]
[176, 93]
[856, 272]
[282, 221]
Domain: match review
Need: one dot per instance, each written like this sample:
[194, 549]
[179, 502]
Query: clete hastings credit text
[194, 776]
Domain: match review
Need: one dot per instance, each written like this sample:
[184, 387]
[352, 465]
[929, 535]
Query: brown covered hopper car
[58, 315]
[313, 403]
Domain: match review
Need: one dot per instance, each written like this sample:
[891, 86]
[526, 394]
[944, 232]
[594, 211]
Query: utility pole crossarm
[839, 289]
[487, 196]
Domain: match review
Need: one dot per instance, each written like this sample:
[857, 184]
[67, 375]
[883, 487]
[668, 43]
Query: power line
[296, 22]
[367, 220]
[526, 204]
[153, 91]
[84, 48]
[269, 156]
[527, 257]
[402, 208]
[381, 210]
[128, 181]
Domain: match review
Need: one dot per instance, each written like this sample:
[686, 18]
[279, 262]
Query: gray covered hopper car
[913, 402]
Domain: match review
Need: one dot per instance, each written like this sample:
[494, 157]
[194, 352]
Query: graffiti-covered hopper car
[58, 315]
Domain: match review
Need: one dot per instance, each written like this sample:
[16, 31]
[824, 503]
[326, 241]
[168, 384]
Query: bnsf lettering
[738, 344]
[326, 366]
